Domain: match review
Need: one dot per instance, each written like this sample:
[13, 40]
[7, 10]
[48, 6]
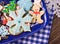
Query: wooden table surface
[55, 31]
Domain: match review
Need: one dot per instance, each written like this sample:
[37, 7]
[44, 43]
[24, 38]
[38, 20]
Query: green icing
[11, 6]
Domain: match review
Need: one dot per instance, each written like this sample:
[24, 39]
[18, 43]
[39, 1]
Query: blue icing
[10, 23]
[26, 4]
[16, 29]
[21, 12]
[19, 21]
[12, 14]
[26, 27]
[3, 31]
[27, 18]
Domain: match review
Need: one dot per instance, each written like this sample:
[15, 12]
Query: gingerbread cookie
[36, 13]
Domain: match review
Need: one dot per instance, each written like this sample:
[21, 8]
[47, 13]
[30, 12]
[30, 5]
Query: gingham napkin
[40, 37]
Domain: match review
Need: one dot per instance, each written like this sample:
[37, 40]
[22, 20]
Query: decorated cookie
[4, 18]
[26, 4]
[36, 13]
[3, 31]
[19, 21]
[27, 19]
[11, 6]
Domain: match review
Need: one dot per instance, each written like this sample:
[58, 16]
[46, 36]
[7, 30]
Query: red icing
[4, 21]
[36, 13]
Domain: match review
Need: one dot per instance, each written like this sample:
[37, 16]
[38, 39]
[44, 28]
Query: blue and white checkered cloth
[40, 37]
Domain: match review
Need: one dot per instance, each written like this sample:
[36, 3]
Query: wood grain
[55, 31]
